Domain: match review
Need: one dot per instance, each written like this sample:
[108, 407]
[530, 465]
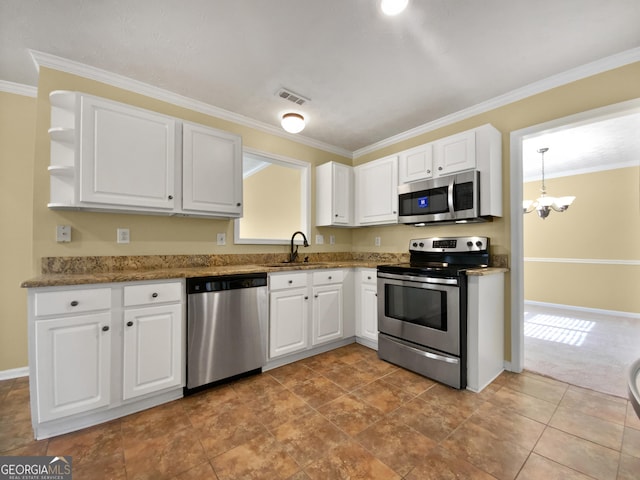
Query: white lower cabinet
[306, 310]
[73, 360]
[367, 304]
[152, 343]
[101, 352]
[288, 318]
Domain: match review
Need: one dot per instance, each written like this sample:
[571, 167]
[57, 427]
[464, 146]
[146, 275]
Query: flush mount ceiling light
[292, 122]
[393, 7]
[543, 204]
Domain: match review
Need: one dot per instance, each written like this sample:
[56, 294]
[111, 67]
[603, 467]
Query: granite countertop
[61, 271]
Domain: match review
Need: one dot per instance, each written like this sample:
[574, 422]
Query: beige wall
[271, 203]
[94, 234]
[17, 133]
[607, 88]
[602, 224]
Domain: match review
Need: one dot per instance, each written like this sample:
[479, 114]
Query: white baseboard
[573, 308]
[14, 373]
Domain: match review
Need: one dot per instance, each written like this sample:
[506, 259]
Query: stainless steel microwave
[451, 198]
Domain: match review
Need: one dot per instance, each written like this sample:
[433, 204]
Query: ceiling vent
[292, 96]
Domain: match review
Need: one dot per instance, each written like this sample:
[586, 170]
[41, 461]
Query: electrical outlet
[332, 239]
[319, 239]
[123, 235]
[221, 238]
[63, 233]
[377, 241]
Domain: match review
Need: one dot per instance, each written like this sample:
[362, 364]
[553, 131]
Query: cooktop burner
[442, 257]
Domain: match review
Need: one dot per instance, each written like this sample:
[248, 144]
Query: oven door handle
[432, 356]
[413, 278]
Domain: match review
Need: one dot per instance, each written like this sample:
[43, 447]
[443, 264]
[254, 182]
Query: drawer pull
[330, 277]
[306, 297]
[105, 328]
[154, 295]
[290, 282]
[74, 303]
[368, 278]
[129, 323]
[316, 295]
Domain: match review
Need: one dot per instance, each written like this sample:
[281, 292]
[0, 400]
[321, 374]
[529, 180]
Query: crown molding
[47, 60]
[18, 89]
[575, 74]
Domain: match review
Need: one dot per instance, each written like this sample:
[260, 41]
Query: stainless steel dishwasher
[226, 327]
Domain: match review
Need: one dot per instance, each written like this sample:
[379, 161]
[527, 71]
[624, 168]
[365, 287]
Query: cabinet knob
[306, 297]
[154, 295]
[170, 197]
[394, 212]
[290, 282]
[369, 278]
[105, 328]
[316, 295]
[428, 171]
[238, 204]
[376, 294]
[440, 168]
[129, 323]
[336, 215]
[74, 303]
[330, 277]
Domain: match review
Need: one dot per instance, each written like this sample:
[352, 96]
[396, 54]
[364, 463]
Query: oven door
[421, 310]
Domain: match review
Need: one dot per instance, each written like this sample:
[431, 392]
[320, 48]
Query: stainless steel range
[422, 307]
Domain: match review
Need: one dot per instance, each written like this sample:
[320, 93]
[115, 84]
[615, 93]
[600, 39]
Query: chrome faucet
[294, 253]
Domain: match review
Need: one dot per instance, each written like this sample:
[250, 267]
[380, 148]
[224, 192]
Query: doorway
[519, 139]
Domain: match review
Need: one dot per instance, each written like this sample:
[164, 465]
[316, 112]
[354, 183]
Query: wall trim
[599, 66]
[586, 261]
[574, 308]
[47, 60]
[14, 373]
[18, 89]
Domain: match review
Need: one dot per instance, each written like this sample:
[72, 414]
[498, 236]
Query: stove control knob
[479, 244]
[415, 244]
[469, 244]
[421, 244]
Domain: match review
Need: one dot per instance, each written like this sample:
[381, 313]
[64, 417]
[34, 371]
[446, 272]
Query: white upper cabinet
[212, 171]
[334, 195]
[377, 191]
[109, 156]
[127, 155]
[416, 163]
[456, 153]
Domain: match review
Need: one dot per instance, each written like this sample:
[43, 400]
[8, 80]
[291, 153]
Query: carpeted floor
[585, 349]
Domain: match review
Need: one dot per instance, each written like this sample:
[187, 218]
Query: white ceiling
[369, 77]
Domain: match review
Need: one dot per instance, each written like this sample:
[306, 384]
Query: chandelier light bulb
[293, 122]
[393, 7]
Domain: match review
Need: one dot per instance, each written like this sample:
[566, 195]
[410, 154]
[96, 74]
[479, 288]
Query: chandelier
[543, 204]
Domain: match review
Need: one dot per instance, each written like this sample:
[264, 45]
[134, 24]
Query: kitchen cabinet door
[152, 349]
[327, 313]
[73, 364]
[334, 195]
[368, 319]
[416, 163]
[288, 318]
[377, 191]
[127, 156]
[456, 153]
[212, 171]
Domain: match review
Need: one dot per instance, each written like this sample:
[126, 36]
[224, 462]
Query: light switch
[63, 233]
[123, 235]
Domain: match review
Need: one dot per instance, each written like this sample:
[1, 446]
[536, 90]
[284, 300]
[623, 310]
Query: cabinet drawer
[368, 276]
[287, 280]
[150, 294]
[325, 277]
[72, 301]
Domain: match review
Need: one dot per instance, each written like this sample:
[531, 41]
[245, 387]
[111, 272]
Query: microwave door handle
[450, 195]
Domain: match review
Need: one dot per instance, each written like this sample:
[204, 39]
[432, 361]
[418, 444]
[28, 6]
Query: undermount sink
[295, 264]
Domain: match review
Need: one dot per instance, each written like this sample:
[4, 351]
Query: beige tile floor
[347, 415]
